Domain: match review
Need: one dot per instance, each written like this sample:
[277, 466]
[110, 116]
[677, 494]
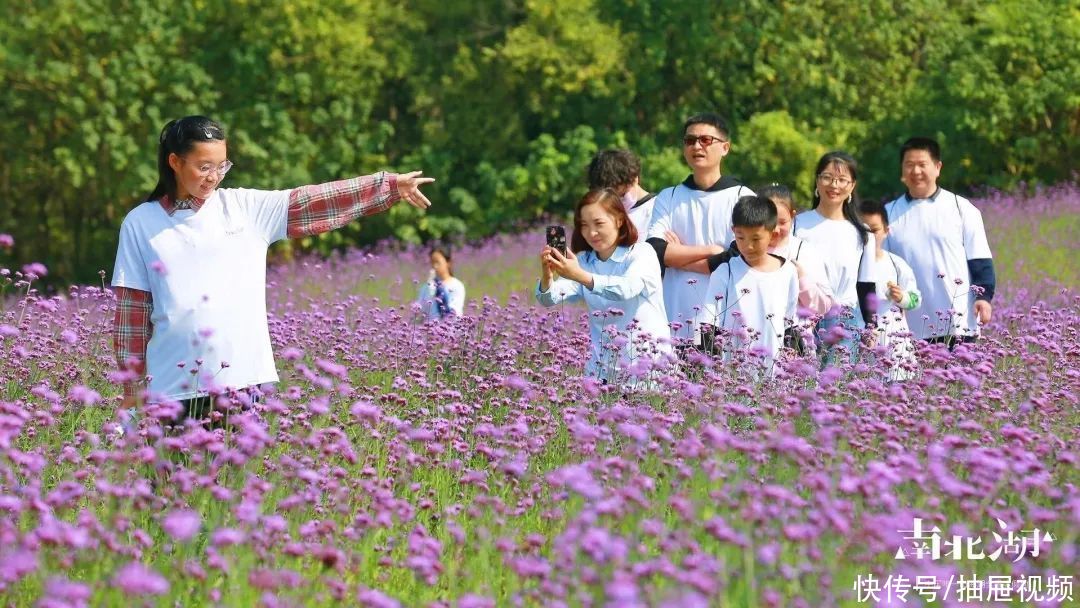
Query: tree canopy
[504, 102]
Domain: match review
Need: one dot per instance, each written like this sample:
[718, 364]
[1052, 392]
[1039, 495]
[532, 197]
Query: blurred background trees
[505, 101]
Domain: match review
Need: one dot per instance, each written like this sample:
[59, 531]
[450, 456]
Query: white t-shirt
[807, 255]
[757, 306]
[641, 215]
[455, 295]
[849, 260]
[207, 274]
[629, 282]
[891, 326]
[936, 236]
[698, 217]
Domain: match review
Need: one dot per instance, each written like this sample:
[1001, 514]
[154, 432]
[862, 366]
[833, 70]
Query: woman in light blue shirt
[621, 284]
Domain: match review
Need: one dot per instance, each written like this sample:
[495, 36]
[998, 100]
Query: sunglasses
[704, 140]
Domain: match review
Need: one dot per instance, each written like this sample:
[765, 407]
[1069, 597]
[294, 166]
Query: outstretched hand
[408, 186]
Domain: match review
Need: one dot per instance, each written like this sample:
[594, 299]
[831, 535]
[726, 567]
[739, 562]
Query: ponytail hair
[179, 137]
[779, 194]
[851, 206]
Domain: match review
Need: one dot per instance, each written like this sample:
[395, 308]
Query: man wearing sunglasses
[692, 221]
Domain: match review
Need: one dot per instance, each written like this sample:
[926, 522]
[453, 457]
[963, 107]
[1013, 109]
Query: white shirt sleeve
[267, 211]
[713, 309]
[975, 243]
[456, 295]
[660, 222]
[868, 263]
[561, 290]
[642, 276]
[905, 277]
[816, 268]
[792, 312]
[130, 269]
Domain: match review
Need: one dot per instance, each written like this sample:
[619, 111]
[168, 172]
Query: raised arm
[320, 208]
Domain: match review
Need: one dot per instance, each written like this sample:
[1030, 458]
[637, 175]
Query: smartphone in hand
[556, 238]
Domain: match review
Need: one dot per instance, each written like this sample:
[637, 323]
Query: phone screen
[556, 238]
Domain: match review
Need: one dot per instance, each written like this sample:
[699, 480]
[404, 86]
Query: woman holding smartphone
[620, 283]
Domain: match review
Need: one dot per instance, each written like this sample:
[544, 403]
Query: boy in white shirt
[942, 236]
[753, 297]
[692, 221]
[896, 293]
[620, 172]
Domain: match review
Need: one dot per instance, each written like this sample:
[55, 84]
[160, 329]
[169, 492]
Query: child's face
[599, 228]
[753, 242]
[877, 227]
[439, 264]
[783, 220]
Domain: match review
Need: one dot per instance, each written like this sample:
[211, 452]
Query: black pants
[201, 408]
[951, 341]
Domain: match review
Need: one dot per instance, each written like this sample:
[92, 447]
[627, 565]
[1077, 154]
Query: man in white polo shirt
[692, 221]
[941, 236]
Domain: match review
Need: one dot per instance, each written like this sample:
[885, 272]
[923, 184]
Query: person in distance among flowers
[443, 294]
[190, 273]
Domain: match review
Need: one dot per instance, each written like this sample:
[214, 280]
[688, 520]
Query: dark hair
[779, 194]
[872, 207]
[444, 251]
[606, 198]
[851, 205]
[922, 143]
[753, 211]
[708, 118]
[613, 169]
[179, 137]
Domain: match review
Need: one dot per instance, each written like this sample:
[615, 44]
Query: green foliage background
[505, 101]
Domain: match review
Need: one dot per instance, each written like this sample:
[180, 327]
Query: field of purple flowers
[468, 464]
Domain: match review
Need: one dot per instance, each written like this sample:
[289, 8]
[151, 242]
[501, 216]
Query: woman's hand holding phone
[566, 265]
[547, 273]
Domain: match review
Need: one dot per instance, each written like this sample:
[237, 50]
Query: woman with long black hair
[833, 225]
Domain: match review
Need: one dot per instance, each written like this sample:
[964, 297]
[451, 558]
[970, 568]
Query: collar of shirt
[617, 256]
[641, 201]
[932, 197]
[725, 182]
[193, 203]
